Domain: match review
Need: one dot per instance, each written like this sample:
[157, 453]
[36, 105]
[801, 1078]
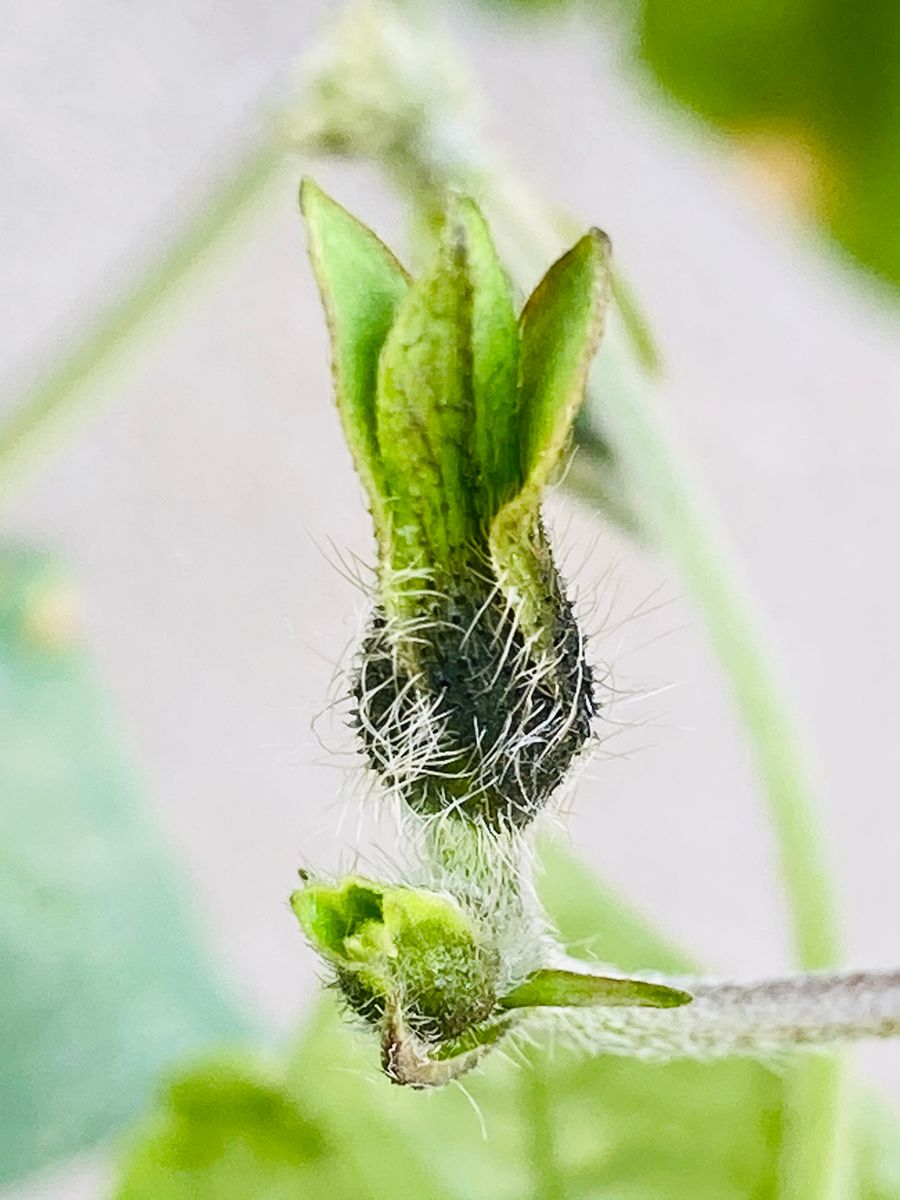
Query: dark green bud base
[462, 714]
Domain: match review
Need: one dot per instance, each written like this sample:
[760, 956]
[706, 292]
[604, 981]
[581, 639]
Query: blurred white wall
[197, 506]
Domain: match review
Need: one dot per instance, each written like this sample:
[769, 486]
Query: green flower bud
[394, 947]
[428, 976]
[472, 691]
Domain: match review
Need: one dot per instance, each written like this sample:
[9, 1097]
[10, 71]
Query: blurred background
[201, 506]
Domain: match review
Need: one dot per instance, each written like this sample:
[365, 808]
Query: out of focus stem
[56, 394]
[815, 1161]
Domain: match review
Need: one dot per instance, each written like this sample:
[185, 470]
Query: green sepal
[561, 326]
[495, 361]
[447, 402]
[362, 285]
[560, 330]
[551, 988]
[424, 416]
[358, 922]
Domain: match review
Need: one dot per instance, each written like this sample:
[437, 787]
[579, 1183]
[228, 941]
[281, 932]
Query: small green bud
[391, 945]
[472, 690]
[426, 973]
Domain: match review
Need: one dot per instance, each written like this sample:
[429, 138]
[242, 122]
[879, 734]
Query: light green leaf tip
[550, 988]
[561, 326]
[362, 285]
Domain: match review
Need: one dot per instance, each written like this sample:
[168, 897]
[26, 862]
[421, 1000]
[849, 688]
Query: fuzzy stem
[757, 1019]
[53, 397]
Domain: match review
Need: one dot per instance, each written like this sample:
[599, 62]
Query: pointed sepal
[553, 988]
[362, 285]
[561, 326]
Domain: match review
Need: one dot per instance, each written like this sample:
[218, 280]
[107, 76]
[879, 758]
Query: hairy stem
[53, 397]
[759, 1019]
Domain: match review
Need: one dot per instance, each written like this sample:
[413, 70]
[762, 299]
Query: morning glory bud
[472, 692]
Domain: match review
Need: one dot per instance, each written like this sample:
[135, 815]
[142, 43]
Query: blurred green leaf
[228, 1131]
[102, 981]
[558, 1123]
[809, 88]
[813, 87]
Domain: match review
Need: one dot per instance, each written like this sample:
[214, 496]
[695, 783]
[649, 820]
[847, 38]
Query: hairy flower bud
[393, 944]
[472, 691]
[427, 973]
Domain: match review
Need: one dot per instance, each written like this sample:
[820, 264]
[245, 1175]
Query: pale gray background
[196, 506]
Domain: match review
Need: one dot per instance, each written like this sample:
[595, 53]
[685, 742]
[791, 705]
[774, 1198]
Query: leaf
[561, 326]
[230, 1131]
[572, 989]
[557, 1122]
[810, 99]
[362, 285]
[102, 979]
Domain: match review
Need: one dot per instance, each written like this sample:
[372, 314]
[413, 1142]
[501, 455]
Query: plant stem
[815, 1153]
[548, 1184]
[759, 1019]
[54, 395]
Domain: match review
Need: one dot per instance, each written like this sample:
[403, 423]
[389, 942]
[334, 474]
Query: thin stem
[54, 395]
[814, 1133]
[548, 1182]
[685, 532]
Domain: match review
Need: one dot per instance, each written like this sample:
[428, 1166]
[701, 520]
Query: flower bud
[407, 947]
[427, 974]
[472, 692]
